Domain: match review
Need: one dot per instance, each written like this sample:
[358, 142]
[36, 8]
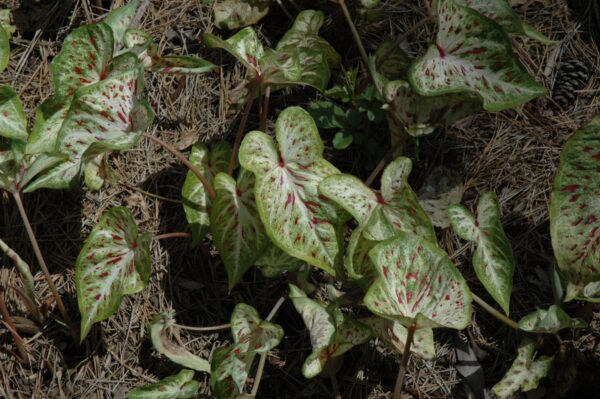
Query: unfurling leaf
[160, 328]
[379, 215]
[418, 284]
[196, 201]
[114, 261]
[275, 262]
[395, 334]
[178, 386]
[575, 214]
[549, 321]
[295, 217]
[234, 14]
[472, 54]
[442, 188]
[493, 260]
[120, 18]
[237, 231]
[525, 372]
[13, 122]
[331, 332]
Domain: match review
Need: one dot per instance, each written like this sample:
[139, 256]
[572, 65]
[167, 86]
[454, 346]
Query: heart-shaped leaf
[472, 54]
[196, 201]
[493, 260]
[13, 122]
[178, 386]
[295, 217]
[234, 14]
[418, 284]
[274, 262]
[237, 230]
[379, 215]
[525, 372]
[245, 46]
[550, 321]
[114, 261]
[120, 18]
[160, 328]
[395, 334]
[575, 214]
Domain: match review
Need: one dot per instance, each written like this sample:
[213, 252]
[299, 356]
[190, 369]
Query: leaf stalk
[509, 322]
[404, 363]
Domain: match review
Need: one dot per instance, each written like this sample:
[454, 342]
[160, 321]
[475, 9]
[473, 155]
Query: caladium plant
[331, 332]
[395, 335]
[6, 29]
[233, 14]
[493, 260]
[114, 261]
[550, 321]
[275, 262]
[178, 386]
[575, 214]
[472, 54]
[296, 218]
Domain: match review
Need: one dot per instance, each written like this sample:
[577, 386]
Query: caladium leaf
[274, 262]
[550, 321]
[237, 230]
[442, 187]
[13, 122]
[379, 215]
[525, 372]
[318, 321]
[294, 66]
[395, 334]
[234, 14]
[182, 65]
[178, 386]
[6, 29]
[418, 284]
[196, 201]
[575, 214]
[493, 260]
[160, 327]
[295, 217]
[114, 261]
[472, 54]
[119, 20]
[245, 46]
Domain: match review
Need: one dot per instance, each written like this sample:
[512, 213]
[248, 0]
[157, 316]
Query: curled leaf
[178, 386]
[549, 321]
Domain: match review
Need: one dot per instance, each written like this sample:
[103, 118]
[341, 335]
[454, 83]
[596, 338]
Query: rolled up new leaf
[549, 321]
[178, 386]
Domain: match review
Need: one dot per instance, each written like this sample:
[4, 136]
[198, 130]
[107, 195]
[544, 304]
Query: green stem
[509, 322]
[23, 269]
[355, 34]
[383, 162]
[265, 110]
[204, 329]
[404, 363]
[179, 234]
[239, 135]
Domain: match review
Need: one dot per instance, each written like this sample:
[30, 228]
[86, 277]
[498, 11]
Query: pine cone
[572, 76]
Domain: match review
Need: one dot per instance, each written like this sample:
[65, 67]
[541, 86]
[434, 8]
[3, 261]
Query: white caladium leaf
[575, 214]
[295, 217]
[472, 54]
[245, 46]
[274, 262]
[196, 201]
[395, 334]
[493, 259]
[13, 122]
[119, 20]
[160, 328]
[318, 321]
[237, 230]
[379, 215]
[550, 321]
[234, 14]
[442, 187]
[418, 284]
[114, 261]
[178, 386]
[525, 372]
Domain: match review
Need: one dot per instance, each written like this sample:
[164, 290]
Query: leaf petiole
[404, 363]
[509, 322]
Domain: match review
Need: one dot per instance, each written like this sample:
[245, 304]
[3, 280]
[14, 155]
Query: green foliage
[549, 321]
[6, 29]
[233, 14]
[394, 334]
[178, 386]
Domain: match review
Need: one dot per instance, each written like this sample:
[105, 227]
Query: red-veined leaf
[178, 386]
[119, 20]
[245, 46]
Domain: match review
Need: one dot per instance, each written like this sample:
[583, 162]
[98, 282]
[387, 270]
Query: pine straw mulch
[514, 153]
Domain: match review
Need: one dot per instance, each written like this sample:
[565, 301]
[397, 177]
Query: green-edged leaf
[160, 328]
[493, 260]
[418, 283]
[294, 66]
[93, 173]
[223, 386]
[120, 19]
[234, 14]
[178, 386]
[237, 230]
[13, 122]
[318, 321]
[575, 214]
[196, 201]
[525, 373]
[274, 262]
[473, 54]
[395, 334]
[380, 216]
[181, 65]
[245, 46]
[296, 219]
[114, 261]
[550, 321]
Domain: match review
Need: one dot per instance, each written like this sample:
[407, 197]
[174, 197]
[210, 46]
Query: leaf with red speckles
[120, 18]
[178, 386]
[274, 262]
[550, 321]
[379, 215]
[13, 122]
[472, 54]
[331, 332]
[161, 328]
[493, 259]
[245, 46]
[234, 14]
[296, 218]
[251, 335]
[525, 372]
[196, 202]
[114, 261]
[395, 334]
[418, 283]
[237, 231]
[575, 214]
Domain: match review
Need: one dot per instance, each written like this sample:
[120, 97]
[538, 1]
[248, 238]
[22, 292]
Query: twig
[188, 164]
[238, 136]
[179, 234]
[509, 322]
[285, 11]
[9, 323]
[404, 363]
[265, 110]
[204, 329]
[355, 34]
